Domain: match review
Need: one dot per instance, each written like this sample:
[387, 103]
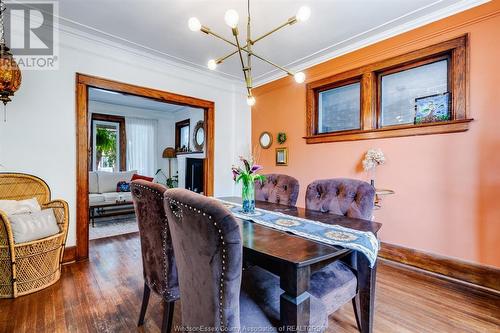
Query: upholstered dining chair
[160, 272]
[336, 283]
[208, 246]
[278, 188]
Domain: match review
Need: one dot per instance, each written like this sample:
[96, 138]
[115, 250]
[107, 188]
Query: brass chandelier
[231, 18]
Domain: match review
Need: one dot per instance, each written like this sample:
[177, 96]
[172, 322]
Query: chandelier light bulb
[231, 17]
[299, 77]
[212, 64]
[194, 24]
[251, 100]
[303, 14]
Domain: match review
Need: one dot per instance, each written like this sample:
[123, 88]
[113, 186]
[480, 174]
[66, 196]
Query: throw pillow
[32, 226]
[11, 207]
[146, 178]
[123, 187]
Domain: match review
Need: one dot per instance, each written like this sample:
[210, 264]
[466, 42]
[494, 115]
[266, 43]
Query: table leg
[366, 292]
[295, 306]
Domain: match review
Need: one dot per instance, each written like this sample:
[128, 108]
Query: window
[422, 92]
[339, 108]
[108, 143]
[182, 135]
[399, 91]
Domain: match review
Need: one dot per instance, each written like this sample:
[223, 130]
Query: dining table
[295, 258]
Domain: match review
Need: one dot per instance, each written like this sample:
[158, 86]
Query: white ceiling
[335, 26]
[116, 98]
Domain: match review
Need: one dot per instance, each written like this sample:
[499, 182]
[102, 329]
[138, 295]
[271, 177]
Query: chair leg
[168, 316]
[356, 312]
[144, 306]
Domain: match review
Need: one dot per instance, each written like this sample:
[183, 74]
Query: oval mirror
[199, 136]
[266, 140]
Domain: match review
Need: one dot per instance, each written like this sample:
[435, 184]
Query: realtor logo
[31, 34]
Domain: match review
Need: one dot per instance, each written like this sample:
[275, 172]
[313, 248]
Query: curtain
[142, 146]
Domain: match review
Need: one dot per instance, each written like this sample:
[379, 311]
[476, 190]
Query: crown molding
[85, 32]
[333, 51]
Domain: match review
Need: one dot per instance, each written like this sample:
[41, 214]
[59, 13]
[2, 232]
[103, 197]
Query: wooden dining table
[294, 259]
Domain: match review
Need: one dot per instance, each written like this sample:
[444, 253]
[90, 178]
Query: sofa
[102, 186]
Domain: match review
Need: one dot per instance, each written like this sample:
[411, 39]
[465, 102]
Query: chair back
[208, 247]
[342, 196]
[20, 186]
[160, 272]
[278, 188]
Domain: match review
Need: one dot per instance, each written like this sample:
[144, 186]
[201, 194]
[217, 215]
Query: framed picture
[281, 156]
[434, 108]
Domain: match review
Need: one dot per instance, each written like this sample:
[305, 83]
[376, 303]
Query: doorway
[88, 160]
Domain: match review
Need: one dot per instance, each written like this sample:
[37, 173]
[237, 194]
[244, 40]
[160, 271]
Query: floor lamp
[169, 153]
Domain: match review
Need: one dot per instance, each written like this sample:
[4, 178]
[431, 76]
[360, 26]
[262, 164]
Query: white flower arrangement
[373, 158]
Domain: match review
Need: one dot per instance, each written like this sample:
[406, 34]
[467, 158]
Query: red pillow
[146, 178]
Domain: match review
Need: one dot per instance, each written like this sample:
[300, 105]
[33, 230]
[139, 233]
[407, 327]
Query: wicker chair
[31, 266]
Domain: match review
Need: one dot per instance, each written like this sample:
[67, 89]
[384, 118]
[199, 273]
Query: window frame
[122, 138]
[340, 84]
[178, 126]
[455, 50]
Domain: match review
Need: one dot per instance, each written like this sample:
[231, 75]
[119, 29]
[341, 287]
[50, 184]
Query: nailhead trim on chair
[222, 243]
[169, 295]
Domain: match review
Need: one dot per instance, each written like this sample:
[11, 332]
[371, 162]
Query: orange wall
[447, 185]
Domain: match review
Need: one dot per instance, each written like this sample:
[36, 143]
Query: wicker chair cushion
[11, 207]
[32, 226]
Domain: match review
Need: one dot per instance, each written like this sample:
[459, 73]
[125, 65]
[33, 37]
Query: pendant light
[10, 74]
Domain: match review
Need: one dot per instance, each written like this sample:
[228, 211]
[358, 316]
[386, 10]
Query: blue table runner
[363, 241]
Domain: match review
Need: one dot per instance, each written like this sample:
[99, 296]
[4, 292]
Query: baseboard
[481, 275]
[69, 254]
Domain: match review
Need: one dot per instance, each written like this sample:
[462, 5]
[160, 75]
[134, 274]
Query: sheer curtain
[142, 146]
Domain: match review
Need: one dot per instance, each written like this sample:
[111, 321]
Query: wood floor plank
[105, 294]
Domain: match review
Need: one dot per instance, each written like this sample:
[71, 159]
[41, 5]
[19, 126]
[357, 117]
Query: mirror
[266, 140]
[199, 136]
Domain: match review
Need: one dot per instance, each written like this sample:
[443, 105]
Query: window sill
[452, 126]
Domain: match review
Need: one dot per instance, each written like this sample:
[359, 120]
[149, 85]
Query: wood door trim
[83, 82]
[477, 274]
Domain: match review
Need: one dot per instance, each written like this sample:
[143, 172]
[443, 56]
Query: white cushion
[108, 180]
[95, 198]
[11, 207]
[93, 183]
[32, 226]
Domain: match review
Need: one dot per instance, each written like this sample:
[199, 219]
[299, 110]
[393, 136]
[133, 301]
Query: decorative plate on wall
[199, 136]
[266, 140]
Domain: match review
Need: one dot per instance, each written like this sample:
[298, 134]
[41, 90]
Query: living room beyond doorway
[135, 133]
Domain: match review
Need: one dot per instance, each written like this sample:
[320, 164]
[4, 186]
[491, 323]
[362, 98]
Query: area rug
[108, 227]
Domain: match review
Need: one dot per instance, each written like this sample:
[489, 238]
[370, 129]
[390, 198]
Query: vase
[248, 197]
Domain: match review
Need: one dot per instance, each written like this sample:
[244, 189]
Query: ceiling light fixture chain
[231, 18]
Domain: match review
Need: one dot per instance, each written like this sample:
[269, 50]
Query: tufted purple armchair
[336, 283]
[160, 272]
[277, 188]
[208, 246]
[342, 196]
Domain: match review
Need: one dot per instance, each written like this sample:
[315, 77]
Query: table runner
[363, 241]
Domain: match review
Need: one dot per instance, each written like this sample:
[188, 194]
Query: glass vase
[248, 197]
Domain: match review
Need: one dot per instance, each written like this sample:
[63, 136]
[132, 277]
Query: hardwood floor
[104, 295]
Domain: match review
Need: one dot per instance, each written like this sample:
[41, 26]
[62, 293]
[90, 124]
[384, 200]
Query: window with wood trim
[108, 143]
[422, 92]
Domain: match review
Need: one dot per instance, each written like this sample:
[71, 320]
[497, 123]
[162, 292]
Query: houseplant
[247, 175]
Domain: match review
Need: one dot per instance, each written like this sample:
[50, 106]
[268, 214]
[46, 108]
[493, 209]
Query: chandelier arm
[291, 20]
[245, 74]
[221, 59]
[272, 64]
[249, 48]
